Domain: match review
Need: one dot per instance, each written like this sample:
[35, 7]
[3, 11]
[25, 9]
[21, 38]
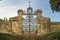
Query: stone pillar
[20, 13]
[10, 27]
[39, 22]
[48, 26]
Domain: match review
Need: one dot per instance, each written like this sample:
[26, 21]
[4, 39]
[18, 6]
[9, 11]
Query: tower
[20, 13]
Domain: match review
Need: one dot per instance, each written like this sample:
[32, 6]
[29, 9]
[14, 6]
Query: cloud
[9, 8]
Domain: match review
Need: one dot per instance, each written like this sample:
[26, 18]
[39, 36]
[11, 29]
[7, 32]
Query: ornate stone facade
[29, 22]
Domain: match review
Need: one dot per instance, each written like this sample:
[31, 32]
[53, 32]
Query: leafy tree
[55, 5]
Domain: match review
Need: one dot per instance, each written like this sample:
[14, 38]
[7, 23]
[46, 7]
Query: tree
[55, 5]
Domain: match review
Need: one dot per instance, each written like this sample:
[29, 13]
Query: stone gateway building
[31, 22]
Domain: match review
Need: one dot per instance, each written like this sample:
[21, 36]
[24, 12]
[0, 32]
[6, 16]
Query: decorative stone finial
[39, 11]
[20, 11]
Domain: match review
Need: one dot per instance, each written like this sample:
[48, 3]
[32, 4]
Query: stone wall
[55, 26]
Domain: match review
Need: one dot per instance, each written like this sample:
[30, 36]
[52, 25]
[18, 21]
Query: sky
[8, 8]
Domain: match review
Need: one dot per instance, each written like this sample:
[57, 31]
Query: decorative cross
[29, 3]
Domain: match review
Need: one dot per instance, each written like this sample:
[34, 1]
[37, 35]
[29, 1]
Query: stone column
[10, 27]
[39, 22]
[20, 13]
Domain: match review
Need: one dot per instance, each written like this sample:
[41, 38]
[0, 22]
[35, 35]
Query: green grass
[6, 37]
[51, 36]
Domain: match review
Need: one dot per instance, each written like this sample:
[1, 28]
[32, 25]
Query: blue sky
[8, 8]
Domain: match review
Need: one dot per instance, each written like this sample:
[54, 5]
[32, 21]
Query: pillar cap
[39, 11]
[19, 11]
